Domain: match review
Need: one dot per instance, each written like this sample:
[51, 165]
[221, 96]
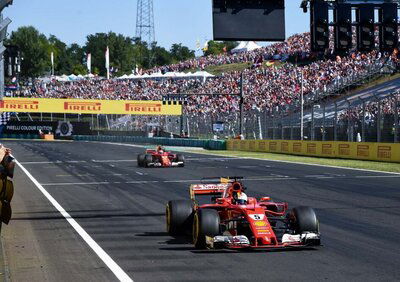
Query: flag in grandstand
[89, 63]
[205, 48]
[52, 62]
[108, 62]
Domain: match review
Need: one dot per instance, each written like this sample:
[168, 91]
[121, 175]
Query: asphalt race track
[122, 208]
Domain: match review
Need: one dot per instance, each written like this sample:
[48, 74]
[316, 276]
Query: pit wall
[386, 152]
[202, 143]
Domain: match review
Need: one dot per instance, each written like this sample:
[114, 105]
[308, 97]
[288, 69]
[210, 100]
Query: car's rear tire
[148, 159]
[140, 160]
[206, 222]
[303, 220]
[179, 217]
[180, 158]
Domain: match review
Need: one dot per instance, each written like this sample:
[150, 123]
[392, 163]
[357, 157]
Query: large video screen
[247, 20]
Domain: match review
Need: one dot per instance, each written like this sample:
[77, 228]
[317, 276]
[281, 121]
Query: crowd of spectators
[264, 87]
[297, 45]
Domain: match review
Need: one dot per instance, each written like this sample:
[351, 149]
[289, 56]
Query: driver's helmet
[240, 198]
[160, 149]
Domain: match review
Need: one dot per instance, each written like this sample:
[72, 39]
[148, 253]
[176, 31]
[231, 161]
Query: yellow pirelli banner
[387, 152]
[78, 106]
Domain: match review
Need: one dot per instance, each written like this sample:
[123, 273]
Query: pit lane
[122, 207]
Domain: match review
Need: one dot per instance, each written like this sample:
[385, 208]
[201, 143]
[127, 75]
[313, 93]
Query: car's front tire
[303, 219]
[206, 222]
[148, 159]
[140, 160]
[179, 217]
[180, 158]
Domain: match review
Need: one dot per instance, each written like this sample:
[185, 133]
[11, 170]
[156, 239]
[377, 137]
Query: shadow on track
[90, 215]
[181, 244]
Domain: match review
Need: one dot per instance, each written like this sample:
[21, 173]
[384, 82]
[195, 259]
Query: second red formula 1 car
[160, 158]
[233, 220]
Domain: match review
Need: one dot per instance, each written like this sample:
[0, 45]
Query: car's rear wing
[208, 189]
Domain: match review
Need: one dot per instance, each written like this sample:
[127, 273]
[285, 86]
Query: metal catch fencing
[374, 120]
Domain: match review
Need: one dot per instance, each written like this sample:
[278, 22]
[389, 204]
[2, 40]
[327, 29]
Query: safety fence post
[396, 119]
[323, 123]
[363, 122]
[378, 124]
[273, 127]
[312, 124]
[291, 128]
[282, 128]
[335, 123]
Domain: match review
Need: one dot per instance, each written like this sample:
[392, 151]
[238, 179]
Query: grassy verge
[370, 165]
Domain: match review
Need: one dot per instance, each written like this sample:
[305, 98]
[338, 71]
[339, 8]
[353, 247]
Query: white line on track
[109, 262]
[141, 182]
[76, 183]
[47, 162]
[260, 159]
[157, 181]
[74, 175]
[265, 178]
[126, 161]
[113, 161]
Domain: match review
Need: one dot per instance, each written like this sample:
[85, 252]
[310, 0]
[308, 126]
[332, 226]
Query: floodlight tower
[145, 21]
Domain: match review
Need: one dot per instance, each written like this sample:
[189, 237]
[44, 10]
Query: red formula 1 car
[233, 220]
[160, 158]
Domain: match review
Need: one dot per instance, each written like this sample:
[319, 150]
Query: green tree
[181, 53]
[35, 51]
[62, 62]
[76, 56]
[219, 47]
[121, 51]
[160, 55]
[79, 69]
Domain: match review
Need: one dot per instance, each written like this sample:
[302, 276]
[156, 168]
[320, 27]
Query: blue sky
[176, 21]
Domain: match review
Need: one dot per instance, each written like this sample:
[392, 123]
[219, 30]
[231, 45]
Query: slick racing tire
[303, 220]
[179, 217]
[148, 159]
[140, 160]
[180, 158]
[206, 222]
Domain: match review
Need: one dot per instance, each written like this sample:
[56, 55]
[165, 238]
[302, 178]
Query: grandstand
[270, 90]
